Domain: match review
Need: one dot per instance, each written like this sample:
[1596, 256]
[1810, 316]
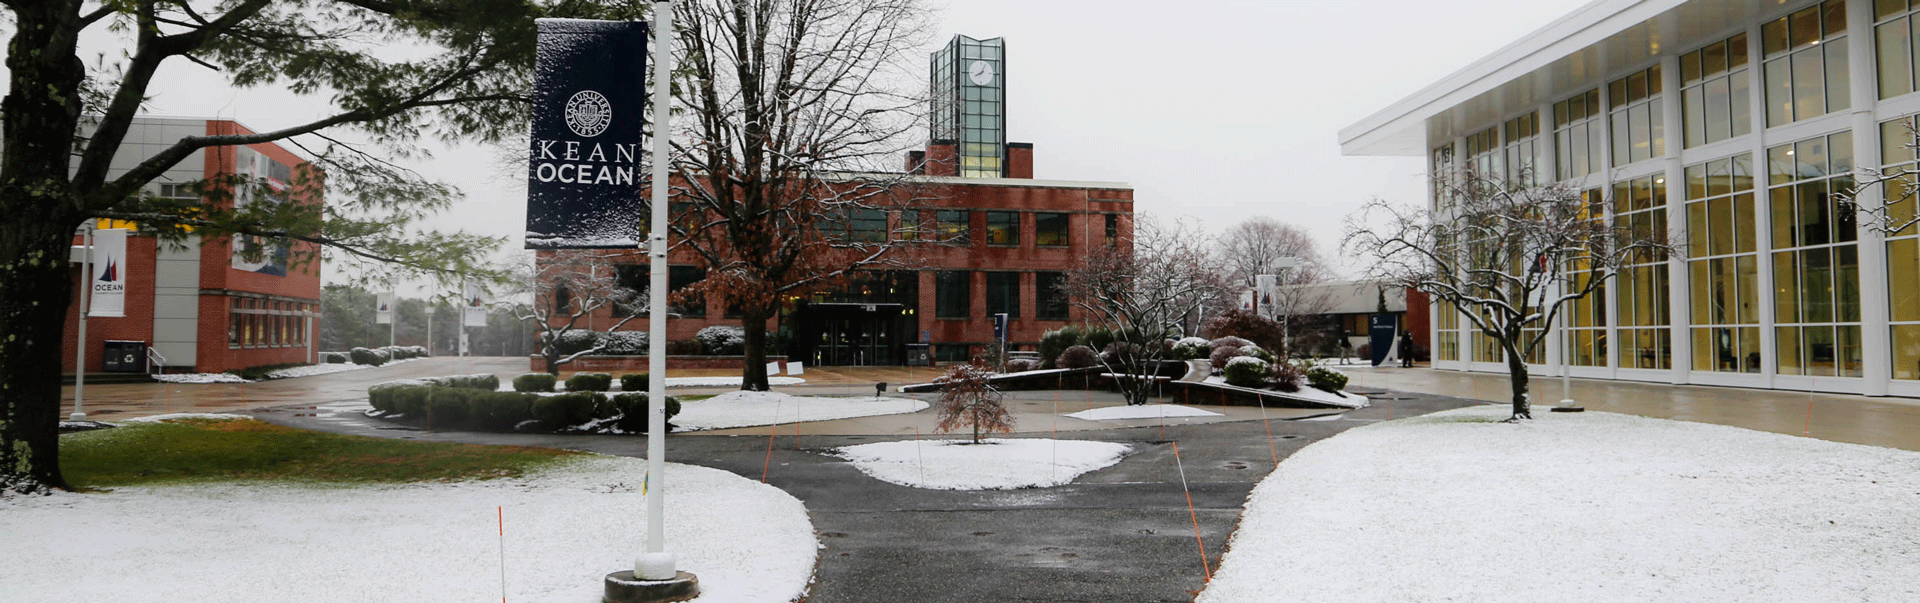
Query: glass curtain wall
[1713, 92]
[1806, 63]
[1723, 265]
[1587, 316]
[1639, 130]
[1897, 143]
[1816, 264]
[1577, 135]
[1640, 206]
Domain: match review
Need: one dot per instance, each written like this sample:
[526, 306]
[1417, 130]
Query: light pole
[1280, 267]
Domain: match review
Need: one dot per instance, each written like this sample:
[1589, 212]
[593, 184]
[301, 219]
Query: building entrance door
[850, 334]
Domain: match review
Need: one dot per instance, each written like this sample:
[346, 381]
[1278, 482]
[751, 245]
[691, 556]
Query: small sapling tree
[967, 399]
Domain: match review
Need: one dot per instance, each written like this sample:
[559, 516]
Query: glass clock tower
[969, 103]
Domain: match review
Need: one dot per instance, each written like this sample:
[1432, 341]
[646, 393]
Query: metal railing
[156, 364]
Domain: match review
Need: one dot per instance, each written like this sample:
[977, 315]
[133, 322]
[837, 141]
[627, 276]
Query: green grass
[694, 397]
[203, 450]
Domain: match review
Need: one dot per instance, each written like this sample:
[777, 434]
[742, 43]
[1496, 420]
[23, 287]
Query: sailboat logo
[111, 273]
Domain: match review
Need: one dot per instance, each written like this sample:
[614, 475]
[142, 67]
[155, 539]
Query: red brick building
[208, 307]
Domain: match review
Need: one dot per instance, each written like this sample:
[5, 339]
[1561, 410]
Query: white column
[1762, 206]
[1875, 340]
[1679, 287]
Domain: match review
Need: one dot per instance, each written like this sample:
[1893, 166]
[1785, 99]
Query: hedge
[589, 382]
[533, 382]
[441, 406]
[633, 382]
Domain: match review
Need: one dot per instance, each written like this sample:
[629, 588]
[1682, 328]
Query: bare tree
[1492, 251]
[791, 124]
[567, 286]
[1894, 212]
[968, 399]
[1146, 289]
[1258, 246]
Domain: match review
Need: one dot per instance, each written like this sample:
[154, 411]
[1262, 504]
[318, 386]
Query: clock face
[981, 72]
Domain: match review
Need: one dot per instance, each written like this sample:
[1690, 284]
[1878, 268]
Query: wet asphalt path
[1123, 533]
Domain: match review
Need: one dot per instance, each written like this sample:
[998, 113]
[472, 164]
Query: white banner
[1267, 286]
[383, 308]
[109, 280]
[475, 306]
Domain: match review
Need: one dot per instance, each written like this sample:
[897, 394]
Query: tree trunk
[41, 115]
[753, 377]
[1517, 373]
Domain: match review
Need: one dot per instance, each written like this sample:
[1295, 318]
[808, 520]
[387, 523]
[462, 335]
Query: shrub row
[472, 408]
[580, 382]
[375, 356]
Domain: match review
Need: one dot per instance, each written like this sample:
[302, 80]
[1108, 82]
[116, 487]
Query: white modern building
[1733, 123]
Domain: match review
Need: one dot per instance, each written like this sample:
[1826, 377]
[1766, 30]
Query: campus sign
[109, 274]
[589, 98]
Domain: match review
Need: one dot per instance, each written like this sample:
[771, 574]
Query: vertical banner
[589, 102]
[473, 306]
[1267, 286]
[109, 280]
[383, 308]
[1381, 331]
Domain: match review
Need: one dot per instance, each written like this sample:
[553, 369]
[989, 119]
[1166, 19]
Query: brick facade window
[253, 322]
[1003, 228]
[952, 294]
[1050, 230]
[951, 226]
[1003, 293]
[1050, 300]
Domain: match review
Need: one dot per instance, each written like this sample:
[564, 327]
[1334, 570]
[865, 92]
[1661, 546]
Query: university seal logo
[588, 113]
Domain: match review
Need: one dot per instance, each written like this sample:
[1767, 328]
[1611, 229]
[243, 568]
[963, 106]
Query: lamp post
[1280, 267]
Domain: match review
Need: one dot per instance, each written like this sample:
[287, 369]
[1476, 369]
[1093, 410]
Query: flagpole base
[623, 587]
[77, 417]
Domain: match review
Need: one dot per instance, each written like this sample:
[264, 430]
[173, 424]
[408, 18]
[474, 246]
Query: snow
[1141, 411]
[185, 415]
[565, 529]
[200, 378]
[747, 409]
[726, 381]
[285, 373]
[1591, 506]
[996, 464]
[1307, 392]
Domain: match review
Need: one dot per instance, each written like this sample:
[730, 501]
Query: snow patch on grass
[565, 529]
[995, 464]
[748, 409]
[1456, 506]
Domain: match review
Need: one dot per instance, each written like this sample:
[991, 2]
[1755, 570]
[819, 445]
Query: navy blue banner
[1381, 329]
[589, 100]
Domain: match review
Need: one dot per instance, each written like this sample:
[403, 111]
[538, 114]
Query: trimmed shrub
[1021, 365]
[624, 343]
[1121, 353]
[1054, 342]
[1192, 348]
[1286, 376]
[1098, 338]
[500, 411]
[576, 341]
[589, 382]
[1247, 371]
[484, 381]
[1326, 378]
[631, 411]
[1258, 352]
[335, 358]
[364, 356]
[448, 405]
[410, 400]
[1075, 357]
[633, 382]
[722, 340]
[1222, 354]
[1229, 341]
[565, 410]
[688, 347]
[533, 382]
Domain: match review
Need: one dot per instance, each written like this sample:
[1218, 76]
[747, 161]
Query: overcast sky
[1214, 111]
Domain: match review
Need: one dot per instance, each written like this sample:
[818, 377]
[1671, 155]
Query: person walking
[1406, 349]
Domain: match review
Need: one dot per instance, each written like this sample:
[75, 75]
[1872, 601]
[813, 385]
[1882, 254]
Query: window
[633, 279]
[1903, 254]
[1806, 63]
[869, 225]
[1523, 149]
[253, 322]
[1050, 295]
[691, 304]
[952, 295]
[1576, 136]
[1587, 317]
[1893, 38]
[1003, 293]
[1003, 228]
[1713, 93]
[1722, 265]
[1639, 130]
[1640, 206]
[952, 352]
[951, 226]
[1816, 264]
[909, 229]
[1483, 154]
[1050, 230]
[1113, 230]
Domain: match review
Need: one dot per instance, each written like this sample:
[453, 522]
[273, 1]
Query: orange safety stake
[1204, 565]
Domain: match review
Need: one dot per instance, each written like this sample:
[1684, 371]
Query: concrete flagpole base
[624, 587]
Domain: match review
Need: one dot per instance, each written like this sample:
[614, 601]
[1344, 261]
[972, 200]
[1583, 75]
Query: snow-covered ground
[285, 373]
[748, 409]
[1346, 399]
[565, 529]
[727, 381]
[1141, 411]
[997, 464]
[1577, 507]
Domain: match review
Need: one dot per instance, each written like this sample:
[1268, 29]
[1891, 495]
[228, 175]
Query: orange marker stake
[1204, 565]
[503, 552]
[921, 449]
[1271, 451]
[1809, 432]
[771, 430]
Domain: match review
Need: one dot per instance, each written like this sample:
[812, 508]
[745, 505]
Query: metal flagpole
[657, 563]
[80, 341]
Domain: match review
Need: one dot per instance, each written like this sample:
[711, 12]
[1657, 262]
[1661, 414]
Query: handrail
[156, 364]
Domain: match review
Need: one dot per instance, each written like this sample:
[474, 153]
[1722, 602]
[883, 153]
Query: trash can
[919, 354]
[125, 356]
